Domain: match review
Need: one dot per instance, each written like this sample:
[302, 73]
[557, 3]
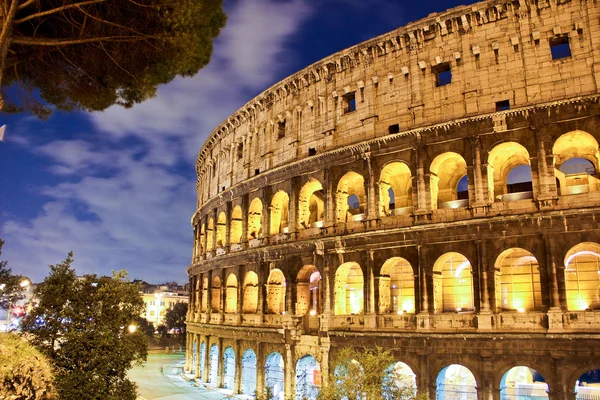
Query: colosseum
[433, 191]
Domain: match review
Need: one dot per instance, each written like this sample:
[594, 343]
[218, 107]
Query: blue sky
[118, 187]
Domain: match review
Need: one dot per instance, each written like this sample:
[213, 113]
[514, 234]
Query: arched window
[228, 368]
[308, 291]
[523, 383]
[209, 235]
[509, 172]
[213, 371]
[235, 235]
[311, 205]
[519, 280]
[250, 300]
[276, 292]
[396, 287]
[248, 385]
[350, 198]
[279, 213]
[576, 160]
[452, 283]
[215, 303]
[275, 376]
[400, 379]
[447, 170]
[231, 294]
[395, 189]
[255, 219]
[349, 286]
[456, 382]
[582, 276]
[308, 378]
[221, 228]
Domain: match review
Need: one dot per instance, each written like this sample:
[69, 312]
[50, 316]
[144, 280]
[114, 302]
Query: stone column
[206, 233]
[228, 211]
[546, 193]
[330, 214]
[293, 209]
[369, 295]
[237, 380]
[555, 323]
[479, 186]
[220, 365]
[371, 181]
[423, 318]
[209, 294]
[206, 359]
[263, 275]
[260, 368]
[289, 369]
[245, 204]
[484, 318]
[241, 273]
[197, 366]
[423, 190]
[223, 294]
[266, 214]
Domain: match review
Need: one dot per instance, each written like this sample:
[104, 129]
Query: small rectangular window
[312, 151]
[503, 105]
[240, 151]
[256, 171]
[394, 129]
[559, 47]
[349, 102]
[281, 129]
[443, 75]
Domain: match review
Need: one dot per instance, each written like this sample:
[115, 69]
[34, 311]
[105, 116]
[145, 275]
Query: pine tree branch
[29, 41]
[57, 9]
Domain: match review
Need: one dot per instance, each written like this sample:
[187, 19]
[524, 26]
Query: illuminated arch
[228, 368]
[311, 204]
[308, 378]
[576, 163]
[221, 229]
[250, 300]
[248, 386]
[452, 283]
[276, 286]
[447, 170]
[235, 226]
[255, 219]
[280, 213]
[575, 144]
[582, 276]
[456, 382]
[400, 378]
[395, 188]
[275, 375]
[350, 197]
[349, 286]
[308, 291]
[231, 299]
[396, 287]
[523, 383]
[588, 385]
[209, 235]
[502, 161]
[215, 294]
[213, 371]
[519, 280]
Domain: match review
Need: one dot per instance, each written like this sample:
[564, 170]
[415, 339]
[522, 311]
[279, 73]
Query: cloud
[126, 190]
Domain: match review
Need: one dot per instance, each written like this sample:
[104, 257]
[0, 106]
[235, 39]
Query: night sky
[118, 187]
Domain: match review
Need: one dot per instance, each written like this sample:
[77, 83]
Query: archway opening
[210, 245]
[308, 291]
[396, 287]
[519, 280]
[509, 172]
[523, 383]
[250, 300]
[462, 188]
[249, 373]
[213, 372]
[587, 386]
[221, 229]
[350, 198]
[452, 284]
[194, 356]
[308, 378]
[235, 235]
[231, 299]
[456, 382]
[395, 189]
[519, 180]
[280, 213]
[228, 368]
[349, 286]
[215, 294]
[255, 219]
[348, 376]
[311, 205]
[276, 287]
[576, 159]
[202, 362]
[582, 276]
[400, 381]
[274, 375]
[447, 170]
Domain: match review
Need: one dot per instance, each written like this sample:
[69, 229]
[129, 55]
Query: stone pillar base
[423, 321]
[484, 321]
[555, 320]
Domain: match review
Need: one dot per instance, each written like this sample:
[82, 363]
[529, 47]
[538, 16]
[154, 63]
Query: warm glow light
[460, 269]
[2, 286]
[521, 309]
[580, 253]
[24, 283]
[313, 312]
[408, 305]
[458, 309]
[400, 312]
[132, 328]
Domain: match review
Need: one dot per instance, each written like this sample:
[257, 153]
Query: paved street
[159, 379]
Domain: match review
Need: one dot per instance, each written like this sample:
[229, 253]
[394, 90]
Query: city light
[132, 328]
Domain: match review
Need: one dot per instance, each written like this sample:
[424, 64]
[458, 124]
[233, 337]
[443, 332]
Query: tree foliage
[24, 372]
[10, 289]
[81, 324]
[91, 54]
[175, 317]
[366, 374]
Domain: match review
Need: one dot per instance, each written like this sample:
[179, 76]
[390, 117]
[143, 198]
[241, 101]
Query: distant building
[160, 298]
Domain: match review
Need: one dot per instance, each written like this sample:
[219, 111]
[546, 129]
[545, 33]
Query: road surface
[160, 379]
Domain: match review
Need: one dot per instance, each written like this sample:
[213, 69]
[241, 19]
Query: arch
[194, 355]
[280, 213]
[308, 378]
[229, 368]
[588, 385]
[447, 169]
[231, 299]
[250, 300]
[519, 280]
[523, 382]
[215, 294]
[351, 187]
[349, 286]
[221, 229]
[213, 372]
[396, 287]
[235, 226]
[255, 219]
[452, 283]
[276, 287]
[308, 291]
[401, 381]
[210, 245]
[205, 294]
[311, 204]
[248, 386]
[456, 382]
[395, 188]
[274, 375]
[575, 144]
[582, 276]
[202, 363]
[502, 161]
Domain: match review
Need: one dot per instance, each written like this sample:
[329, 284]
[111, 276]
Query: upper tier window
[559, 47]
[443, 75]
[349, 102]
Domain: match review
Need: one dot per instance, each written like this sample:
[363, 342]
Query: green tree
[366, 374]
[175, 317]
[145, 326]
[24, 372]
[11, 290]
[91, 54]
[82, 325]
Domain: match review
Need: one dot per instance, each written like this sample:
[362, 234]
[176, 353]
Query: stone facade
[433, 191]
